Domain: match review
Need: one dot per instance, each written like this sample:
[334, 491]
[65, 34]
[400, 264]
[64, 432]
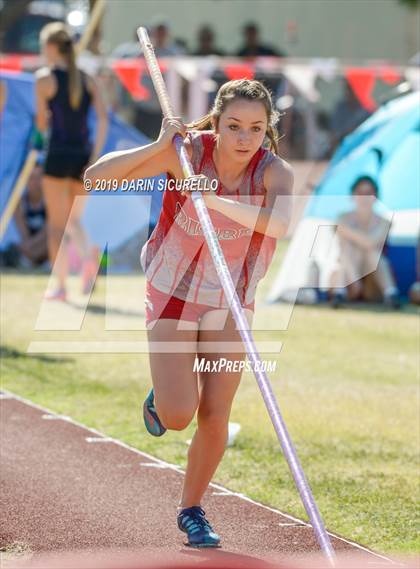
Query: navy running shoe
[192, 521]
[151, 419]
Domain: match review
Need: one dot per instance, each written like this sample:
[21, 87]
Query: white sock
[390, 291]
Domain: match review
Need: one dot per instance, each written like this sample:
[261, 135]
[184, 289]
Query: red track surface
[60, 492]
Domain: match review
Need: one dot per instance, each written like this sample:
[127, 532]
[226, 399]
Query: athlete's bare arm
[144, 162]
[44, 90]
[101, 116]
[273, 219]
[367, 240]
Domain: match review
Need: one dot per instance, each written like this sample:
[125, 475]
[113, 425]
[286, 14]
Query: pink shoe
[89, 271]
[57, 294]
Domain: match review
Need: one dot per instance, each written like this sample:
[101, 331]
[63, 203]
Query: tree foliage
[410, 3]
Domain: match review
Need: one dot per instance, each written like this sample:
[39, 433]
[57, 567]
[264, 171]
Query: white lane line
[163, 466]
[99, 440]
[213, 485]
[49, 417]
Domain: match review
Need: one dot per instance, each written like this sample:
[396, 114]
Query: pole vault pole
[95, 17]
[32, 157]
[237, 311]
[18, 191]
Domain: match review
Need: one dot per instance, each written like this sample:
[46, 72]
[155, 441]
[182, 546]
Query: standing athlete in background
[64, 96]
[185, 302]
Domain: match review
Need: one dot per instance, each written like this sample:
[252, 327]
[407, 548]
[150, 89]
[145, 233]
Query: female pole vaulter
[185, 302]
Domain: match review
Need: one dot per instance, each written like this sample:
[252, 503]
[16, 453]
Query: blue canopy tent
[109, 222]
[15, 129]
[387, 147]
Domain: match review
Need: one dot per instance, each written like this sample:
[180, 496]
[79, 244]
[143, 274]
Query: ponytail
[56, 33]
[205, 123]
[274, 140]
[75, 78]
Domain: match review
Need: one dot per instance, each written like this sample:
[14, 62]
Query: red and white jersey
[176, 258]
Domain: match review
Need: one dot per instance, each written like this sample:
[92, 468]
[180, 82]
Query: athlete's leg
[384, 277]
[174, 380]
[348, 270]
[217, 390]
[58, 204]
[87, 252]
[75, 228]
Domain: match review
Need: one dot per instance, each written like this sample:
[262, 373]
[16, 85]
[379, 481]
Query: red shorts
[160, 305]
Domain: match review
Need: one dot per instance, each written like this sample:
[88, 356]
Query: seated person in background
[147, 112]
[252, 46]
[205, 42]
[163, 44]
[30, 217]
[362, 234]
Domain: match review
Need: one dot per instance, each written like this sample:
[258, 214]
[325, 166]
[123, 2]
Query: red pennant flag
[11, 62]
[239, 71]
[362, 82]
[389, 75]
[130, 73]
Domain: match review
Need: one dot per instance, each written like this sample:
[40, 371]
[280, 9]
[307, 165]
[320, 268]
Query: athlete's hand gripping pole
[237, 311]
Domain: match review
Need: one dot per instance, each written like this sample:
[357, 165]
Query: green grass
[346, 381]
[12, 552]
